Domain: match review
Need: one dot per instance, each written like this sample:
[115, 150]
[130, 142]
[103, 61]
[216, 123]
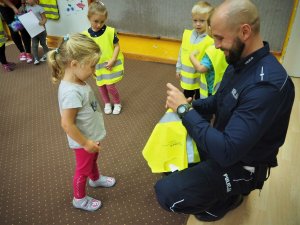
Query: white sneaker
[117, 109]
[103, 181]
[107, 108]
[44, 58]
[87, 203]
[36, 62]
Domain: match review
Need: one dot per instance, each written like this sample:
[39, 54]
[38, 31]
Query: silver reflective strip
[174, 204]
[190, 80]
[169, 117]
[217, 86]
[188, 69]
[190, 149]
[52, 13]
[103, 65]
[109, 76]
[2, 40]
[48, 6]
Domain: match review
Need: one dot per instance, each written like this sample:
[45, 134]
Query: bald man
[252, 108]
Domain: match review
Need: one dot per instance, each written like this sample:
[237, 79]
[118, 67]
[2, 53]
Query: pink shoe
[7, 68]
[29, 58]
[22, 56]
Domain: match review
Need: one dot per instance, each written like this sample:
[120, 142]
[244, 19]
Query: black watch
[183, 109]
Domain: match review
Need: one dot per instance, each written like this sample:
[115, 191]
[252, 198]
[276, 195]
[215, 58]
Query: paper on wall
[31, 24]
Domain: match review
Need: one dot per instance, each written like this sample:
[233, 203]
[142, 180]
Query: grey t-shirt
[37, 10]
[89, 118]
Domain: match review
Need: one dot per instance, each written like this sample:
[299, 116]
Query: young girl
[7, 66]
[110, 68]
[73, 63]
[41, 38]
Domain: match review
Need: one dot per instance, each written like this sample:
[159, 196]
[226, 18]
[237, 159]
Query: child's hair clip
[66, 37]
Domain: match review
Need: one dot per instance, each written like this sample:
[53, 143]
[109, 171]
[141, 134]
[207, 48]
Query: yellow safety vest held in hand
[103, 75]
[169, 147]
[190, 78]
[51, 9]
[217, 58]
[2, 36]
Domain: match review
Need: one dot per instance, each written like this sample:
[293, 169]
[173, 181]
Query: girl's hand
[110, 64]
[194, 53]
[178, 76]
[91, 146]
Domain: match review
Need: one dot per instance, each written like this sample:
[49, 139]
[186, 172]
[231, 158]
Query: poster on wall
[74, 7]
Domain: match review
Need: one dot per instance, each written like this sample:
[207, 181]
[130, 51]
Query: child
[196, 39]
[73, 63]
[20, 38]
[39, 12]
[110, 68]
[7, 66]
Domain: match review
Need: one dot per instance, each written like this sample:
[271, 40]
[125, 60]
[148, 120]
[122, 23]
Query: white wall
[292, 55]
[71, 21]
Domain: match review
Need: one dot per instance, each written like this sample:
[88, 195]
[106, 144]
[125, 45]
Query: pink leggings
[109, 89]
[86, 166]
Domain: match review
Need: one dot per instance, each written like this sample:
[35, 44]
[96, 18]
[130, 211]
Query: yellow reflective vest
[170, 148]
[2, 36]
[190, 78]
[217, 58]
[51, 9]
[103, 75]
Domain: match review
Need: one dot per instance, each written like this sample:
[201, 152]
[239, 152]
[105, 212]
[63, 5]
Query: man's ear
[246, 31]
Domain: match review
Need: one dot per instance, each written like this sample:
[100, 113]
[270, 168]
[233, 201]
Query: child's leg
[26, 40]
[94, 175]
[43, 40]
[189, 93]
[104, 93]
[114, 93]
[84, 167]
[35, 47]
[2, 55]
[197, 93]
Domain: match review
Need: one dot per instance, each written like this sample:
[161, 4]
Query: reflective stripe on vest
[191, 148]
[188, 73]
[217, 58]
[103, 75]
[51, 9]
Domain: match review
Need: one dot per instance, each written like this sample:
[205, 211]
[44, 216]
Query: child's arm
[44, 19]
[178, 65]
[199, 67]
[68, 124]
[113, 59]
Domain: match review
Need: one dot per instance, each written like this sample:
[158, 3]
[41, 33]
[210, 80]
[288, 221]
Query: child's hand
[21, 10]
[92, 146]
[194, 53]
[110, 64]
[178, 76]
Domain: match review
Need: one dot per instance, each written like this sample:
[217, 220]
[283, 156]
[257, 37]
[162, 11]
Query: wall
[167, 18]
[292, 55]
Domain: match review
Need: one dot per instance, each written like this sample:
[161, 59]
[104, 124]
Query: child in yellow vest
[196, 39]
[110, 68]
[7, 66]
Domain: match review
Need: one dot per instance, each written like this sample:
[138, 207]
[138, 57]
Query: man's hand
[175, 97]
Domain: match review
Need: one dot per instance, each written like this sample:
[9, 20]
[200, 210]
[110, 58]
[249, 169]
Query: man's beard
[234, 54]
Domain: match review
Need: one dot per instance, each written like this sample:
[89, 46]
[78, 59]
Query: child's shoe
[117, 109]
[36, 62]
[7, 68]
[29, 58]
[87, 203]
[22, 56]
[103, 181]
[107, 108]
[11, 65]
[44, 58]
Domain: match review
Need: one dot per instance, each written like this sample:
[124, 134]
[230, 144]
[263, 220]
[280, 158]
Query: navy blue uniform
[252, 108]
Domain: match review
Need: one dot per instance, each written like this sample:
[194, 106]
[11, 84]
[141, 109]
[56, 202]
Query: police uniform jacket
[252, 108]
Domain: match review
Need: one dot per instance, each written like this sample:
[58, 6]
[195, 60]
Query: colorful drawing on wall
[74, 6]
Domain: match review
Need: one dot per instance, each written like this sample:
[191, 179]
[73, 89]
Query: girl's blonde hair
[77, 47]
[97, 7]
[202, 7]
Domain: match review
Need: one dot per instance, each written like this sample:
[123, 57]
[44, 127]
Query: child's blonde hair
[97, 7]
[77, 47]
[202, 7]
